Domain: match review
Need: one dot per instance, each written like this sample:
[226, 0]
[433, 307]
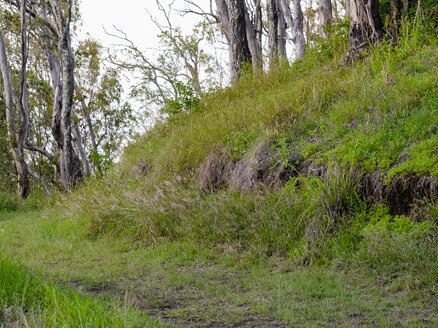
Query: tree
[273, 29]
[325, 16]
[241, 54]
[7, 174]
[241, 31]
[69, 162]
[180, 59]
[295, 22]
[16, 120]
[297, 30]
[53, 19]
[365, 25]
[254, 32]
[101, 120]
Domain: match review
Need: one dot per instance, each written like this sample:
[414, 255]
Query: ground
[189, 286]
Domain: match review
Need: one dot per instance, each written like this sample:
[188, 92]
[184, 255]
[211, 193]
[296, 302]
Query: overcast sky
[132, 17]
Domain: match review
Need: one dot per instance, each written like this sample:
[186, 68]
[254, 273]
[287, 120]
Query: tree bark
[70, 166]
[325, 16]
[272, 13]
[82, 152]
[365, 26]
[223, 19]
[282, 25]
[398, 10]
[71, 170]
[297, 30]
[13, 122]
[253, 33]
[239, 41]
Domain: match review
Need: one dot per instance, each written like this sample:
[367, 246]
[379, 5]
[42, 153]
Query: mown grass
[28, 301]
[388, 281]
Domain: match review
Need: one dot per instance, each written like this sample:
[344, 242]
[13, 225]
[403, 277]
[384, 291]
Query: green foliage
[398, 247]
[379, 114]
[8, 201]
[101, 161]
[334, 46]
[100, 104]
[186, 101]
[239, 142]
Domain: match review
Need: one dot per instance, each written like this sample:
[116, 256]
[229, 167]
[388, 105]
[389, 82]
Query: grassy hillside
[281, 161]
[303, 197]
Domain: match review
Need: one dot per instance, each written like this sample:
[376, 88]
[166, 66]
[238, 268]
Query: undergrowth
[378, 114]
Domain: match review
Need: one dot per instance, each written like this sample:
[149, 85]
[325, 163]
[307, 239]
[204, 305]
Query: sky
[132, 17]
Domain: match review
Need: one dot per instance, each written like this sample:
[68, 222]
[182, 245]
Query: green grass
[28, 301]
[390, 285]
[312, 252]
[378, 114]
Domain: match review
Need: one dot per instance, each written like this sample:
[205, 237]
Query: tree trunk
[297, 30]
[14, 126]
[71, 171]
[70, 167]
[396, 15]
[272, 12]
[239, 41]
[365, 26]
[82, 152]
[253, 33]
[325, 16]
[398, 10]
[281, 32]
[223, 19]
[347, 9]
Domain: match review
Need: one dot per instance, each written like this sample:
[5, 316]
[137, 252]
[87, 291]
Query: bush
[8, 202]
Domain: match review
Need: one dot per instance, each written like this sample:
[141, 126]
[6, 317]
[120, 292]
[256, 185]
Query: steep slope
[285, 158]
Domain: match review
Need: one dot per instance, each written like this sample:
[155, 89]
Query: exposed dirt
[401, 194]
[9, 318]
[185, 306]
[264, 168]
[212, 174]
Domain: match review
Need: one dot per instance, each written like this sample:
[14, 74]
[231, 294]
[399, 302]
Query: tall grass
[378, 114]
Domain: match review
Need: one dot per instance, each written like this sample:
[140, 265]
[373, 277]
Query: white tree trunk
[253, 33]
[298, 34]
[14, 126]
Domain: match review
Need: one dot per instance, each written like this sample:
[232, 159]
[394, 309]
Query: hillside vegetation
[282, 162]
[306, 196]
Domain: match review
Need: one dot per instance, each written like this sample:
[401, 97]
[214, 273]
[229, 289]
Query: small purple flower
[399, 67]
[353, 123]
[426, 60]
[390, 79]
